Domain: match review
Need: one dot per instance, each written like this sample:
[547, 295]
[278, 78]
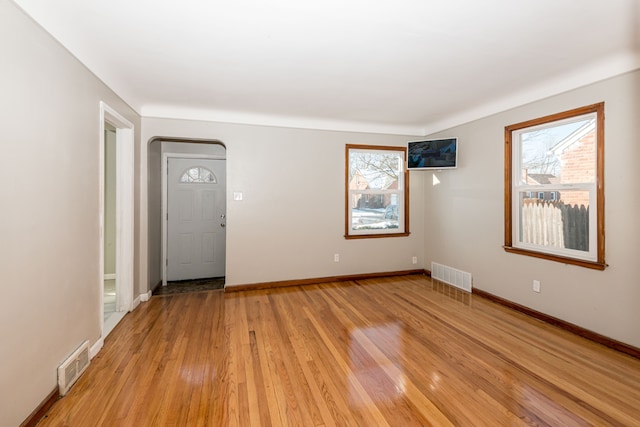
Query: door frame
[124, 214]
[165, 197]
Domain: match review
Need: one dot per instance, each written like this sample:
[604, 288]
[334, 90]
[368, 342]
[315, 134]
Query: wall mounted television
[441, 153]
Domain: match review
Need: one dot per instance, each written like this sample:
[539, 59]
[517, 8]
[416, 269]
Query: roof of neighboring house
[574, 137]
[541, 178]
[375, 179]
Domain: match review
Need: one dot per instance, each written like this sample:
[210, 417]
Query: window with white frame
[377, 190]
[554, 187]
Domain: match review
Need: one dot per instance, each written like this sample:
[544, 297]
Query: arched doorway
[188, 155]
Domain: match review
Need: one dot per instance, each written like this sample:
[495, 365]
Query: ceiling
[388, 66]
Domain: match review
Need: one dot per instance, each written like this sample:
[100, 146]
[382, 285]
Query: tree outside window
[376, 192]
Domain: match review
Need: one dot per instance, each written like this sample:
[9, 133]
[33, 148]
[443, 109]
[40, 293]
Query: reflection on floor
[109, 298]
[183, 286]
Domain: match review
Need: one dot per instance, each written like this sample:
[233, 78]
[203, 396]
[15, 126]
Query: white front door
[196, 207]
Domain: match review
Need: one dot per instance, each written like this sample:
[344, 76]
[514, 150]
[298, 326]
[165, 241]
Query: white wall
[49, 221]
[291, 220]
[464, 225]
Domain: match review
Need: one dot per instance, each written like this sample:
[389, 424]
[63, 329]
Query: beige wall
[290, 223]
[154, 223]
[464, 217]
[49, 228]
[110, 201]
[291, 220]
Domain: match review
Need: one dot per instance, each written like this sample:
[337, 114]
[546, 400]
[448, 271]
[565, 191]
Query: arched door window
[198, 175]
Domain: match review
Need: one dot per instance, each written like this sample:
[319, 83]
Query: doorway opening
[109, 291]
[187, 213]
[116, 218]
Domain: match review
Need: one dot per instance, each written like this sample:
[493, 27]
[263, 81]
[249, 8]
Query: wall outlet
[536, 286]
[336, 257]
[414, 260]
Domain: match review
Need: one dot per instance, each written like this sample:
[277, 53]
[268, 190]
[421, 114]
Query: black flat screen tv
[439, 153]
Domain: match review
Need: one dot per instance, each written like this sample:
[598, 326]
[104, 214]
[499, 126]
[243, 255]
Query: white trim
[234, 117]
[110, 276]
[96, 347]
[136, 302]
[124, 214]
[101, 192]
[165, 208]
[577, 135]
[144, 297]
[124, 220]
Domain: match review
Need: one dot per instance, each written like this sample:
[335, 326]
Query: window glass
[376, 191]
[198, 175]
[559, 153]
[554, 226]
[554, 194]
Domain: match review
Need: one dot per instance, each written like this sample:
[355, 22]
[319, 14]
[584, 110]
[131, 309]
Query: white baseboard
[145, 297]
[95, 348]
[140, 298]
[110, 276]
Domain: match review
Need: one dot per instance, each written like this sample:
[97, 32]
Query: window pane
[374, 212]
[198, 175]
[375, 170]
[561, 224]
[559, 154]
[376, 185]
[554, 197]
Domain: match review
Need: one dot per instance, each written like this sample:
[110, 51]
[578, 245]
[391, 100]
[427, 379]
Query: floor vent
[457, 278]
[73, 367]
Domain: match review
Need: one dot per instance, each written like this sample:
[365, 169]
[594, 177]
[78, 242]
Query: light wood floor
[396, 351]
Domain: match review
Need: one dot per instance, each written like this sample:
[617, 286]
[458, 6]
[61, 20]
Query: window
[198, 175]
[377, 188]
[560, 160]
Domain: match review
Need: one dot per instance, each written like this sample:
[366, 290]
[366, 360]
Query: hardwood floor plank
[286, 326]
[389, 351]
[387, 338]
[319, 408]
[357, 394]
[511, 365]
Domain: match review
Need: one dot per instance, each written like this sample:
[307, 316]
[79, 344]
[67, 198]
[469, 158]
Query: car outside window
[376, 192]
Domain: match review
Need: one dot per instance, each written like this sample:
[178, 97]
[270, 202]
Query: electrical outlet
[336, 257]
[536, 286]
[414, 260]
